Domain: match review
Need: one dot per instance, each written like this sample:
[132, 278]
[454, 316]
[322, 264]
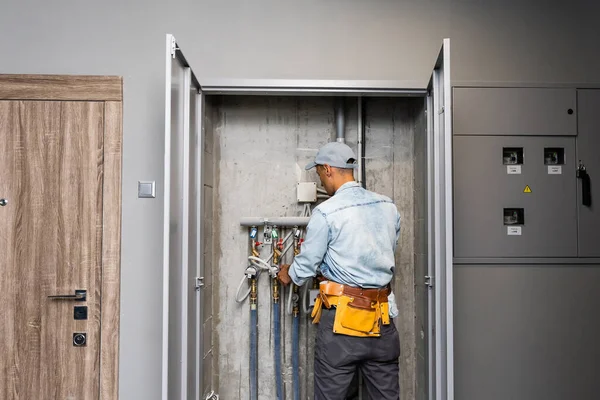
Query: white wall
[492, 40]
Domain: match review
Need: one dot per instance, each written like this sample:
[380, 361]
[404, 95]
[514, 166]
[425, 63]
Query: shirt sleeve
[392, 306]
[312, 251]
[397, 230]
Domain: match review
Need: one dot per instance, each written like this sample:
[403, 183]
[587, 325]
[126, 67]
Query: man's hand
[283, 275]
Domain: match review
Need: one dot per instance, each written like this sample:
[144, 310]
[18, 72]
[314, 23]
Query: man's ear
[327, 168]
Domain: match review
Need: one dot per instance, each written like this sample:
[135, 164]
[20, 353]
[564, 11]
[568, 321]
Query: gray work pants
[338, 357]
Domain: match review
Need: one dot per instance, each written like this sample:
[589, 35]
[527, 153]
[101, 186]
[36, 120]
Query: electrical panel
[525, 161]
[515, 196]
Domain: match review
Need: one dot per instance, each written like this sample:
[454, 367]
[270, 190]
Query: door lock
[3, 202]
[79, 339]
[80, 312]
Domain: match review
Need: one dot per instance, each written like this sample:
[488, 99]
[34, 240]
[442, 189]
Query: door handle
[586, 192]
[80, 295]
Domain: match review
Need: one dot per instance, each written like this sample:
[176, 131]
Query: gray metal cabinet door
[526, 332]
[483, 190]
[514, 111]
[588, 147]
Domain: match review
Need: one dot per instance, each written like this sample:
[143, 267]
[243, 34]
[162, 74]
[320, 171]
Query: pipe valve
[253, 232]
[250, 272]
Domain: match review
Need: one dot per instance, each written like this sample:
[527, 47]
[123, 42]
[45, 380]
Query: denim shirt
[351, 238]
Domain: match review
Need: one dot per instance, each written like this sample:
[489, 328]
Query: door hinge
[174, 47]
[441, 110]
[429, 281]
[199, 282]
[211, 396]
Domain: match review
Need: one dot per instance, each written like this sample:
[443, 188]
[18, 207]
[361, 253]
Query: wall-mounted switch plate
[146, 189]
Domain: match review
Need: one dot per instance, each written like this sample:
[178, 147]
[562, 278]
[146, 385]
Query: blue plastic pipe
[253, 352]
[296, 356]
[277, 329]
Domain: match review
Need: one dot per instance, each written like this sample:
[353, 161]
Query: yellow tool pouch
[385, 313]
[321, 301]
[317, 310]
[357, 316]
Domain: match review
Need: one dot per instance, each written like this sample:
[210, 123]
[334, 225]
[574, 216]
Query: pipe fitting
[253, 292]
[275, 290]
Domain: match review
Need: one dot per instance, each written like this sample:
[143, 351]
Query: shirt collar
[347, 185]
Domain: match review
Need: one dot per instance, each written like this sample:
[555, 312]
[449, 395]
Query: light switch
[146, 189]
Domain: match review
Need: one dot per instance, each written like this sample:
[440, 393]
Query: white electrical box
[307, 192]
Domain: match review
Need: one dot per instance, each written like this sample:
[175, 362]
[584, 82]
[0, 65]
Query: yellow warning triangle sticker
[527, 189]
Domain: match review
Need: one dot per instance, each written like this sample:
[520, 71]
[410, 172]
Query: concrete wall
[264, 143]
[393, 127]
[492, 41]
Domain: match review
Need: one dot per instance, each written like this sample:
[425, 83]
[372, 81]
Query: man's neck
[342, 182]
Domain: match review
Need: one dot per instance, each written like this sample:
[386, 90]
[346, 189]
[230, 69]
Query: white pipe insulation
[278, 221]
[360, 143]
[340, 120]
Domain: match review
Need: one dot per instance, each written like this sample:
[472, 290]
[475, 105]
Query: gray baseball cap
[335, 154]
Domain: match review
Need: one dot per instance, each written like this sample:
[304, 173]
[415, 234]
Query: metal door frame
[442, 259]
[174, 54]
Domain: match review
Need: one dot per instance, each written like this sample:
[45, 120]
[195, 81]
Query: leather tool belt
[360, 312]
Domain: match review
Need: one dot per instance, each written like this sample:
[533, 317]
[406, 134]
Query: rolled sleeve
[312, 251]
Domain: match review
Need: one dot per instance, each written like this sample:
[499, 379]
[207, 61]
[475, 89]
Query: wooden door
[60, 161]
